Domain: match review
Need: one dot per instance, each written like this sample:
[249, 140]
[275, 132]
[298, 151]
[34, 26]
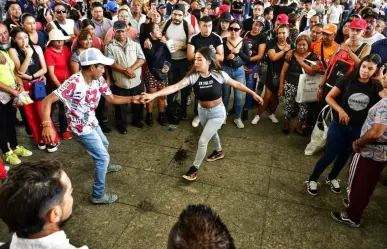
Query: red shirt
[60, 61]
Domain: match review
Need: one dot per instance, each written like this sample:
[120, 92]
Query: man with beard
[14, 16]
[36, 219]
[178, 31]
[316, 32]
[370, 35]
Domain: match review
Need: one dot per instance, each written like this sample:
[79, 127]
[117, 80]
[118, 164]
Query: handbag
[158, 73]
[320, 132]
[38, 91]
[308, 86]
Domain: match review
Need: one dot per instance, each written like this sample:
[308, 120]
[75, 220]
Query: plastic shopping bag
[308, 88]
[320, 131]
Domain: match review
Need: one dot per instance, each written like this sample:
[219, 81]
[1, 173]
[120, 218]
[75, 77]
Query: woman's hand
[147, 97]
[48, 134]
[43, 79]
[231, 56]
[289, 55]
[147, 44]
[258, 99]
[24, 76]
[355, 147]
[287, 47]
[343, 117]
[163, 39]
[280, 91]
[28, 51]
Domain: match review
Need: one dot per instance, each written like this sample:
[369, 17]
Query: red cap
[283, 19]
[358, 23]
[223, 8]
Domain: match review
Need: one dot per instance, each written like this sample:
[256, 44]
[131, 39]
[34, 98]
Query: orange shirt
[328, 51]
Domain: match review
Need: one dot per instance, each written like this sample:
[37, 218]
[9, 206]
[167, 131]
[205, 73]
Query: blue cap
[112, 6]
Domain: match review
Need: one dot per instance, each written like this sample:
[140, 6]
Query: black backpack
[174, 113]
[185, 26]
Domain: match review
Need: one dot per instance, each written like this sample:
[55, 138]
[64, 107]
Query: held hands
[147, 97]
[343, 117]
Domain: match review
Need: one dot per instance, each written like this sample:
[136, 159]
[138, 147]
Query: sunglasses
[60, 11]
[233, 29]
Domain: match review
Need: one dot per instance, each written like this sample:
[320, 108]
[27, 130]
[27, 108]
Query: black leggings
[7, 127]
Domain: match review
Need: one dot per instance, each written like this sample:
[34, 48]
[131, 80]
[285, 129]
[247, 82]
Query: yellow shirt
[7, 70]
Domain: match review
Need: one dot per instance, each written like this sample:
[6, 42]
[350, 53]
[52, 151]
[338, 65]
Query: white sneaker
[196, 122]
[256, 119]
[311, 187]
[273, 118]
[239, 123]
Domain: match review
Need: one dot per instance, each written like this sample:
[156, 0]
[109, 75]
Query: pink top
[97, 43]
[131, 32]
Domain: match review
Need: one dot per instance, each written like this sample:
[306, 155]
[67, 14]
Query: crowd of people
[66, 55]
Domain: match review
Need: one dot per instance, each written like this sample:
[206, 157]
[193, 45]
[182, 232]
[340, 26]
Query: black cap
[119, 25]
[225, 16]
[215, 5]
[179, 6]
[368, 12]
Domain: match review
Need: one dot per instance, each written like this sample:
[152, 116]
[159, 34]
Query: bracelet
[46, 126]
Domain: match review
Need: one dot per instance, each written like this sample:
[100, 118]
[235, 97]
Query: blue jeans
[339, 146]
[97, 145]
[211, 119]
[251, 83]
[237, 74]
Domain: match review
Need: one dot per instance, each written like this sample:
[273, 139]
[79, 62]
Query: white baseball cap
[94, 56]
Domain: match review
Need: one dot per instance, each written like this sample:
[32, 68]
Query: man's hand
[147, 97]
[258, 99]
[355, 147]
[130, 73]
[345, 47]
[48, 134]
[137, 99]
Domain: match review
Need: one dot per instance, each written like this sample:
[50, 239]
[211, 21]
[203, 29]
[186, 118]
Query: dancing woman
[207, 81]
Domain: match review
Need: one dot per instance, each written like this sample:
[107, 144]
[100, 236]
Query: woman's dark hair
[237, 22]
[294, 6]
[13, 34]
[292, 20]
[24, 16]
[209, 55]
[83, 36]
[374, 58]
[74, 15]
[203, 9]
[283, 26]
[86, 22]
[147, 28]
[340, 35]
[29, 192]
[267, 11]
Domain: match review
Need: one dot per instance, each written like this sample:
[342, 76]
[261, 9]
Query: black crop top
[208, 88]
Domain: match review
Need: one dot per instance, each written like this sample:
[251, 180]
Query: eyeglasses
[60, 11]
[233, 29]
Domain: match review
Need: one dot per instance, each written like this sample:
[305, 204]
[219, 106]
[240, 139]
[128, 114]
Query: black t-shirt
[276, 66]
[199, 41]
[208, 88]
[356, 99]
[248, 24]
[295, 69]
[254, 41]
[10, 24]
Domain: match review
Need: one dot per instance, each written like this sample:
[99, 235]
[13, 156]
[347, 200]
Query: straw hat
[56, 35]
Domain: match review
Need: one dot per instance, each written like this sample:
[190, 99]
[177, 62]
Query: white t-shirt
[68, 27]
[57, 240]
[376, 37]
[81, 101]
[334, 14]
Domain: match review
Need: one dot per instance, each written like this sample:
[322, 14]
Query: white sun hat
[94, 56]
[56, 35]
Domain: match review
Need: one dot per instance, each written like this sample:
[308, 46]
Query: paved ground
[258, 190]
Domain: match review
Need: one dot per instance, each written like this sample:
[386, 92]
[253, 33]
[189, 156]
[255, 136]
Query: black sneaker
[138, 124]
[343, 218]
[162, 119]
[346, 202]
[245, 115]
[149, 119]
[184, 114]
[191, 174]
[52, 147]
[122, 129]
[41, 146]
[333, 185]
[216, 155]
[311, 187]
[105, 128]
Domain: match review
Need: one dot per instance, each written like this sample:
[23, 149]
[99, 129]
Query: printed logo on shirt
[358, 101]
[205, 84]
